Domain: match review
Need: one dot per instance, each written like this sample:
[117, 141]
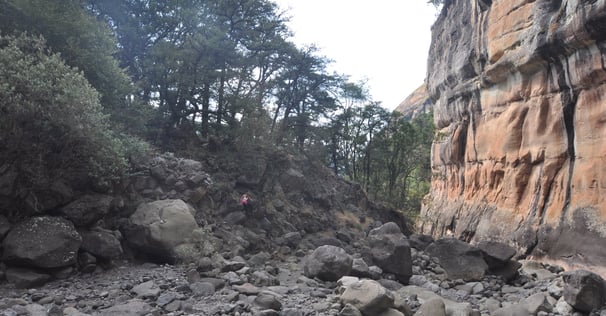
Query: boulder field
[323, 280]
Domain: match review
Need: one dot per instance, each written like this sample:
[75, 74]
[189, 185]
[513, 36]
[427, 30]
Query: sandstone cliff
[520, 108]
[415, 104]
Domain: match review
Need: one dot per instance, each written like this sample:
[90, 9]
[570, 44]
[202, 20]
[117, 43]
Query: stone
[201, 289]
[359, 268]
[71, 311]
[259, 259]
[420, 241]
[133, 307]
[459, 259]
[268, 300]
[247, 289]
[390, 251]
[263, 278]
[159, 227]
[432, 307]
[292, 239]
[26, 278]
[87, 263]
[368, 296]
[350, 310]
[584, 290]
[537, 303]
[344, 282]
[42, 242]
[87, 209]
[534, 268]
[147, 289]
[217, 283]
[513, 310]
[496, 254]
[391, 312]
[101, 243]
[328, 263]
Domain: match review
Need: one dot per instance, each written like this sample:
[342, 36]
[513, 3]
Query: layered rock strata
[520, 108]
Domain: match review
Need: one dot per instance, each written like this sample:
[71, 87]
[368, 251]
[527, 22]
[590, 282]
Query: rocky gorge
[518, 92]
[175, 243]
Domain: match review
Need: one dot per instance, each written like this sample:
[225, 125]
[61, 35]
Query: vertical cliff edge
[520, 108]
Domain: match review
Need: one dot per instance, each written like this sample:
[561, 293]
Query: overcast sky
[384, 41]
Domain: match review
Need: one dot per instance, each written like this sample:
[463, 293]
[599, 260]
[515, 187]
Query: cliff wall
[519, 88]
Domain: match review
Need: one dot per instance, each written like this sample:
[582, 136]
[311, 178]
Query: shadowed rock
[459, 259]
[584, 290]
[390, 251]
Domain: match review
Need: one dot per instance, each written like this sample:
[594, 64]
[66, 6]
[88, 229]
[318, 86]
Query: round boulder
[328, 263]
[42, 242]
[158, 228]
[368, 296]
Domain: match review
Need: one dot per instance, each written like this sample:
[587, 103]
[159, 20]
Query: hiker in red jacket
[245, 201]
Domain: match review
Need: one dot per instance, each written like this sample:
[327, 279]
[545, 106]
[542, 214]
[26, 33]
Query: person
[245, 201]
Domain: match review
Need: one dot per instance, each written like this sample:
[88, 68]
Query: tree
[203, 64]
[84, 43]
[52, 130]
[402, 161]
[302, 94]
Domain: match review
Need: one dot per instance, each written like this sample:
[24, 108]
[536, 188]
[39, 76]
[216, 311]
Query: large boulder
[42, 242]
[25, 278]
[459, 259]
[87, 209]
[368, 296]
[101, 243]
[158, 228]
[498, 258]
[584, 290]
[496, 254]
[328, 263]
[390, 251]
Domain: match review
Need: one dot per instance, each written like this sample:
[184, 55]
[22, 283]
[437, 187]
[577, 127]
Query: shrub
[51, 123]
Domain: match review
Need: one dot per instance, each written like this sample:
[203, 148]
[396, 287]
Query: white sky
[384, 41]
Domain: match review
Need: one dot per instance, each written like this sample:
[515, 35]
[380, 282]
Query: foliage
[388, 155]
[435, 3]
[204, 65]
[51, 121]
[187, 75]
[83, 43]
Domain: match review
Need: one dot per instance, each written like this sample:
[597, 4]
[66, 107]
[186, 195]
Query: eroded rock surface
[519, 90]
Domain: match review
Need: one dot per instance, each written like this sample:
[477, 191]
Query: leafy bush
[51, 123]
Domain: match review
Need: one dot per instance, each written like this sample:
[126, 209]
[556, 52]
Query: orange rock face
[520, 107]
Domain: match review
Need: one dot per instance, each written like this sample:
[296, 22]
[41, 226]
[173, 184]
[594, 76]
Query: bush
[51, 124]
